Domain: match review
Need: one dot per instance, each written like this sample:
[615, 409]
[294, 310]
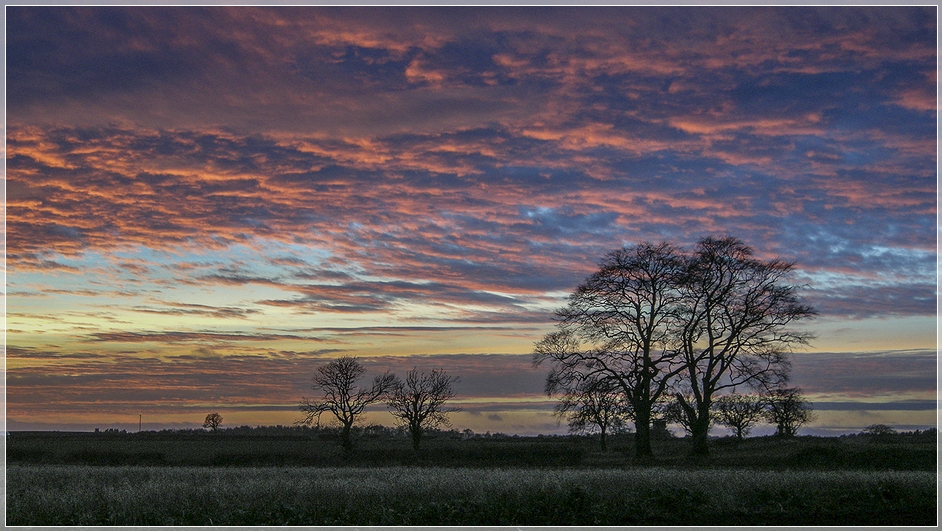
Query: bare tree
[788, 410]
[340, 395]
[653, 320]
[736, 312]
[594, 404]
[616, 328]
[739, 412]
[672, 412]
[878, 430]
[419, 402]
[213, 420]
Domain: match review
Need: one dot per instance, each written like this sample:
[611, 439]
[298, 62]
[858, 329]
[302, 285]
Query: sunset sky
[205, 204]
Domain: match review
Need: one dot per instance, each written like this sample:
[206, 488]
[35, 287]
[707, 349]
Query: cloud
[468, 232]
[200, 310]
[859, 375]
[865, 301]
[116, 382]
[223, 177]
[187, 337]
[903, 405]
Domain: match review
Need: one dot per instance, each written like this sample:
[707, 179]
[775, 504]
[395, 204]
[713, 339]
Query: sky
[205, 204]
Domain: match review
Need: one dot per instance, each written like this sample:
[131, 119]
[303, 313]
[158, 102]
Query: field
[304, 479]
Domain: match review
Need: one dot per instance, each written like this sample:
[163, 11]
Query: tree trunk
[643, 435]
[416, 439]
[602, 440]
[699, 430]
[345, 440]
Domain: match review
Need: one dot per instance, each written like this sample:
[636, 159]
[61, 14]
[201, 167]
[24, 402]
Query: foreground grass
[84, 495]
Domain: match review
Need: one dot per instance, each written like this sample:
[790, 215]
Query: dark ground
[291, 446]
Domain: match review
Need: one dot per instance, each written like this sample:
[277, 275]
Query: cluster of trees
[418, 402]
[785, 408]
[658, 327]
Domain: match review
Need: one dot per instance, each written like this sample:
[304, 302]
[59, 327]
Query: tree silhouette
[671, 411]
[734, 329]
[616, 328]
[739, 412]
[788, 410]
[655, 320]
[419, 402]
[594, 404]
[340, 395]
[213, 420]
[878, 430]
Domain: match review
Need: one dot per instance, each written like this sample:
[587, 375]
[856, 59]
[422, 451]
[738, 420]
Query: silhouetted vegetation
[878, 430]
[615, 332]
[594, 405]
[656, 322]
[787, 409]
[734, 327]
[739, 412]
[418, 402]
[341, 397]
[213, 420]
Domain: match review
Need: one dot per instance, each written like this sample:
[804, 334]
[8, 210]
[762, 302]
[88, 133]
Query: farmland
[302, 478]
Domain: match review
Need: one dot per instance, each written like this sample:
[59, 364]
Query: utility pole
[140, 422]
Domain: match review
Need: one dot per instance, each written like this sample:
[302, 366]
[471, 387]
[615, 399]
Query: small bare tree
[213, 420]
[738, 412]
[592, 404]
[788, 410]
[340, 395]
[672, 412]
[878, 430]
[419, 402]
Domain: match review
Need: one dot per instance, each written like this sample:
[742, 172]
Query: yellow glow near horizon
[885, 333]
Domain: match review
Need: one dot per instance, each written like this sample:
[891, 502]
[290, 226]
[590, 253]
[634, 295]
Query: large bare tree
[616, 328]
[655, 321]
[419, 401]
[734, 331]
[340, 395]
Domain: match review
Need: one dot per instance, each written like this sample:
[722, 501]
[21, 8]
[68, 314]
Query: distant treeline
[383, 446]
[374, 431]
[300, 431]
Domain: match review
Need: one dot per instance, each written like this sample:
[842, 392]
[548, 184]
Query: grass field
[300, 478]
[83, 495]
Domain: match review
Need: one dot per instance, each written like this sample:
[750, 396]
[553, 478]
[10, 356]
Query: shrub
[878, 430]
